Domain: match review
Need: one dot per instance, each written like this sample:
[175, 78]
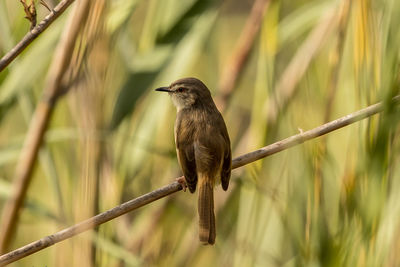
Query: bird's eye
[180, 89]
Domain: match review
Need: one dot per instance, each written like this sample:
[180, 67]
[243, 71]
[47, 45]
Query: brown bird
[203, 147]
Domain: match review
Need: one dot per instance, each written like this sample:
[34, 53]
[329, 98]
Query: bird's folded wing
[187, 161]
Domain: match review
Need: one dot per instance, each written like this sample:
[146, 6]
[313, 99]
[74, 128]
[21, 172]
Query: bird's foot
[183, 183]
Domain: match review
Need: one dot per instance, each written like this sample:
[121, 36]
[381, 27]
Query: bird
[203, 147]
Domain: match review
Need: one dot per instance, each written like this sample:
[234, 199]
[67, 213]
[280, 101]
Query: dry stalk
[175, 186]
[39, 124]
[240, 53]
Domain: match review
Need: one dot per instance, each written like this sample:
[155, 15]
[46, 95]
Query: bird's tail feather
[206, 212]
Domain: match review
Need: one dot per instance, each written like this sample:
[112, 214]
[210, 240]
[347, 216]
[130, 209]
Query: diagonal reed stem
[175, 186]
[38, 124]
[240, 54]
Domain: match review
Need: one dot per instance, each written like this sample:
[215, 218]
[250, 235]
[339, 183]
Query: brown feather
[206, 211]
[203, 147]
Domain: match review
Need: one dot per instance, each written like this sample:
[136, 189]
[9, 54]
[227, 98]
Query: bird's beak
[164, 89]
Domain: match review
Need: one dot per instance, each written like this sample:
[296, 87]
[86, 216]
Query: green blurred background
[333, 201]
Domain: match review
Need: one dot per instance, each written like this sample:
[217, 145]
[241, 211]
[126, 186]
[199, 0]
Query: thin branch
[38, 124]
[34, 33]
[310, 134]
[175, 186]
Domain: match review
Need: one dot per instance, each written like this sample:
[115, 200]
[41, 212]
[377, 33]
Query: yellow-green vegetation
[333, 201]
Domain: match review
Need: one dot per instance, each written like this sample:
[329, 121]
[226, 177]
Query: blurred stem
[175, 186]
[46, 158]
[136, 245]
[89, 111]
[337, 56]
[38, 125]
[287, 85]
[149, 31]
[241, 52]
[343, 18]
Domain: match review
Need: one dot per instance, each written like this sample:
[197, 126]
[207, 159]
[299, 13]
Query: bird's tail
[206, 211]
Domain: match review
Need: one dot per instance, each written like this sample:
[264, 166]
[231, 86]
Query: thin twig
[175, 186]
[310, 134]
[240, 54]
[38, 125]
[30, 12]
[34, 33]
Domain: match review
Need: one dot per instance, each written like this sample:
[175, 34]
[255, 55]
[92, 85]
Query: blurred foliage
[333, 201]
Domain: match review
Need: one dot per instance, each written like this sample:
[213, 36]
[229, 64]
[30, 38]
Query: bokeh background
[333, 201]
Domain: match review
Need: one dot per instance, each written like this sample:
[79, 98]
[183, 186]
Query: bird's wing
[187, 161]
[185, 152]
[226, 169]
[213, 151]
[227, 162]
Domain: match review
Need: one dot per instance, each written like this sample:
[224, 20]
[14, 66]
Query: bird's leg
[183, 183]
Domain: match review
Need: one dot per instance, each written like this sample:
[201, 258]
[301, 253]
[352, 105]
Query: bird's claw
[182, 182]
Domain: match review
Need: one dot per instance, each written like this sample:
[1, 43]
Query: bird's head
[186, 92]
